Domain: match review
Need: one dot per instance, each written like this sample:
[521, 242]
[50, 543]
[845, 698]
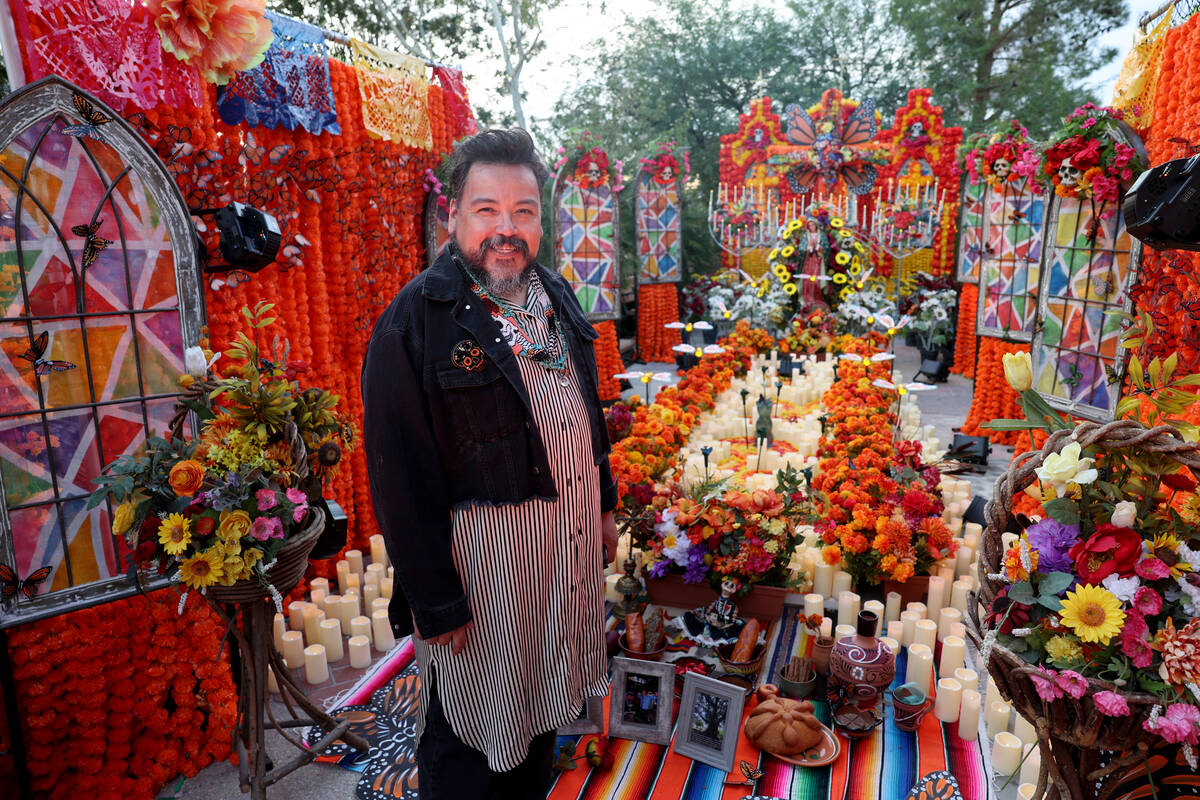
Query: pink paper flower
[1148, 601]
[266, 528]
[1072, 683]
[1133, 640]
[266, 499]
[296, 495]
[1152, 569]
[299, 511]
[1111, 704]
[1047, 689]
[1178, 725]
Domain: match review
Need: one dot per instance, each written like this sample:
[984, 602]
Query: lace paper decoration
[458, 108]
[290, 88]
[109, 48]
[395, 95]
[1139, 75]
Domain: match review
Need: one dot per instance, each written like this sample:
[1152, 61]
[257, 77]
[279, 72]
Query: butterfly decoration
[1092, 230]
[893, 325]
[92, 120]
[10, 585]
[832, 156]
[750, 773]
[1113, 377]
[1184, 147]
[878, 357]
[1016, 217]
[940, 785]
[904, 388]
[644, 377]
[36, 355]
[229, 280]
[93, 245]
[691, 349]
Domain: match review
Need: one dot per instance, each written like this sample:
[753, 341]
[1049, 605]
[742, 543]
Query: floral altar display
[1092, 612]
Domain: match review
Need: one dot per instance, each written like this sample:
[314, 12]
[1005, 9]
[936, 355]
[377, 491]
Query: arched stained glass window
[1009, 260]
[99, 295]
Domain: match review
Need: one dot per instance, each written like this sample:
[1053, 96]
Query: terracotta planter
[913, 590]
[761, 602]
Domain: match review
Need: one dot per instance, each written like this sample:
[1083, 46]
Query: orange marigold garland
[994, 398]
[964, 338]
[658, 304]
[608, 360]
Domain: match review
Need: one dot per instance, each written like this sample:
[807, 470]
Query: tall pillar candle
[343, 572]
[814, 604]
[826, 626]
[920, 666]
[379, 604]
[1006, 753]
[958, 594]
[917, 608]
[378, 550]
[316, 669]
[892, 609]
[317, 598]
[381, 631]
[296, 614]
[823, 579]
[349, 610]
[841, 582]
[959, 630]
[293, 649]
[610, 588]
[360, 652]
[353, 583]
[378, 570]
[278, 628]
[953, 652]
[972, 529]
[848, 608]
[331, 637]
[360, 626]
[968, 714]
[947, 617]
[1024, 730]
[332, 605]
[385, 587]
[876, 608]
[370, 593]
[933, 599]
[1032, 765]
[355, 557]
[966, 676]
[908, 619]
[949, 696]
[319, 583]
[313, 617]
[962, 559]
[895, 630]
[925, 633]
[996, 716]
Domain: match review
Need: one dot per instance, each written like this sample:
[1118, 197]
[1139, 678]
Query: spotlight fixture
[1162, 208]
[971, 449]
[250, 238]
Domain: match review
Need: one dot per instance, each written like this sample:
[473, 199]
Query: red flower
[1107, 551]
[1181, 481]
[917, 503]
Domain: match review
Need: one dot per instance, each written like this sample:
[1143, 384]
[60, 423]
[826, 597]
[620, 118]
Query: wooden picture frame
[642, 700]
[710, 719]
[590, 720]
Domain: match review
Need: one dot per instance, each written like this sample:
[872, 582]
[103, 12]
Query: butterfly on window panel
[10, 585]
[36, 355]
[93, 245]
[92, 120]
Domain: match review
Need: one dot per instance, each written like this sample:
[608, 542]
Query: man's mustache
[504, 241]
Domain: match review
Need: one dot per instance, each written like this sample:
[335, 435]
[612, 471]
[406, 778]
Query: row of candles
[333, 625]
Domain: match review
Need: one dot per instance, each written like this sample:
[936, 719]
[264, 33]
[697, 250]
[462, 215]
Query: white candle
[876, 608]
[319, 583]
[895, 630]
[381, 631]
[278, 628]
[1007, 541]
[841, 583]
[296, 614]
[966, 676]
[996, 716]
[947, 617]
[317, 598]
[917, 608]
[920, 666]
[610, 589]
[355, 557]
[343, 572]
[908, 619]
[933, 600]
[379, 604]
[958, 594]
[293, 649]
[353, 583]
[826, 626]
[892, 611]
[1033, 764]
[377, 570]
[968, 715]
[385, 587]
[949, 696]
[370, 593]
[312, 621]
[360, 626]
[992, 692]
[962, 560]
[1024, 730]
[272, 684]
[959, 630]
[926, 633]
[823, 580]
[331, 638]
[814, 604]
[332, 605]
[348, 610]
[891, 644]
[360, 652]
[848, 606]
[945, 571]
[1025, 791]
[316, 670]
[378, 550]
[953, 650]
[1006, 753]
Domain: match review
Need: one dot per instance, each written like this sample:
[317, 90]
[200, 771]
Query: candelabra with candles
[746, 218]
[906, 218]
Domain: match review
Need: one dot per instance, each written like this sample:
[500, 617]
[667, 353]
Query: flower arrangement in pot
[1092, 612]
[229, 511]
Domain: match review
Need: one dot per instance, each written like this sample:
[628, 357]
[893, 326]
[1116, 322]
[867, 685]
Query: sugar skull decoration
[664, 166]
[592, 169]
[1090, 156]
[1009, 158]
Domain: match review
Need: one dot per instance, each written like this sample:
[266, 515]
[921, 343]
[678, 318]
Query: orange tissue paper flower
[217, 37]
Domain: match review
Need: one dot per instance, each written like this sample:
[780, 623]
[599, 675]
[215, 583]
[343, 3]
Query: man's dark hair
[496, 146]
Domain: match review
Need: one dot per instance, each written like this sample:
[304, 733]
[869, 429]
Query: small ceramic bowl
[653, 655]
[749, 668]
[795, 689]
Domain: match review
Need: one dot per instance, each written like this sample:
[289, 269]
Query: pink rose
[1111, 704]
[1072, 683]
[1152, 569]
[296, 496]
[299, 512]
[267, 528]
[1133, 641]
[1177, 725]
[1148, 601]
[1047, 689]
[266, 499]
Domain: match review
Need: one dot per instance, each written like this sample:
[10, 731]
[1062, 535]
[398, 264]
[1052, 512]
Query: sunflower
[174, 534]
[789, 288]
[1094, 613]
[842, 258]
[788, 251]
[839, 278]
[1165, 547]
[836, 222]
[202, 569]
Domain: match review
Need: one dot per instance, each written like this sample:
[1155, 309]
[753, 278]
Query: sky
[574, 24]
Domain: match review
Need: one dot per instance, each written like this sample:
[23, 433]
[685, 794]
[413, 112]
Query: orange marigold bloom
[832, 555]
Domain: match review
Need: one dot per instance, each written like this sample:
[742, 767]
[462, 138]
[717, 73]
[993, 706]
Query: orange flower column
[964, 338]
[608, 360]
[658, 304]
[994, 398]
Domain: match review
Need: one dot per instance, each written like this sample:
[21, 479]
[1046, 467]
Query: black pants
[450, 769]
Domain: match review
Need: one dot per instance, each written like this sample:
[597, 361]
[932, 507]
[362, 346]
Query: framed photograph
[710, 717]
[642, 700]
[590, 719]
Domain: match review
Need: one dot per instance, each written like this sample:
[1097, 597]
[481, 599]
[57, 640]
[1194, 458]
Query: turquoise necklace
[552, 356]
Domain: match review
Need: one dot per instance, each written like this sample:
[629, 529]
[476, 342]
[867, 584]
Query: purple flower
[696, 570]
[659, 568]
[1111, 704]
[266, 499]
[266, 528]
[1052, 539]
[1148, 601]
[1047, 689]
[1072, 683]
[296, 496]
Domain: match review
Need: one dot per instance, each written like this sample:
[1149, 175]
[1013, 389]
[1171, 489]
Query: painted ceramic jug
[861, 666]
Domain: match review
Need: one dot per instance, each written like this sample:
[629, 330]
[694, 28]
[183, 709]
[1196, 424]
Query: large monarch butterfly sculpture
[939, 785]
[832, 143]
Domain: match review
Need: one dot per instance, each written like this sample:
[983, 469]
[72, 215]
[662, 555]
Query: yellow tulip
[1018, 371]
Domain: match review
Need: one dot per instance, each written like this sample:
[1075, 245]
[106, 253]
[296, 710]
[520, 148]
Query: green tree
[989, 60]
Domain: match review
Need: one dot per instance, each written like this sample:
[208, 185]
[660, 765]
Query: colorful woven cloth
[586, 251]
[395, 95]
[289, 88]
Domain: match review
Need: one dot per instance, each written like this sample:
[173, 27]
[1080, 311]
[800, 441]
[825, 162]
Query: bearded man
[487, 452]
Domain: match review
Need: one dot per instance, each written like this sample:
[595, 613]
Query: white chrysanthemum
[1123, 588]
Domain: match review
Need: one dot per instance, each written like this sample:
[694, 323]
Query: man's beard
[501, 285]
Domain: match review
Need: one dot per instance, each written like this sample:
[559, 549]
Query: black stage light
[249, 238]
[971, 449]
[1162, 208]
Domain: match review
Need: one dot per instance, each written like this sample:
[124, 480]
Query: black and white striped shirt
[533, 577]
